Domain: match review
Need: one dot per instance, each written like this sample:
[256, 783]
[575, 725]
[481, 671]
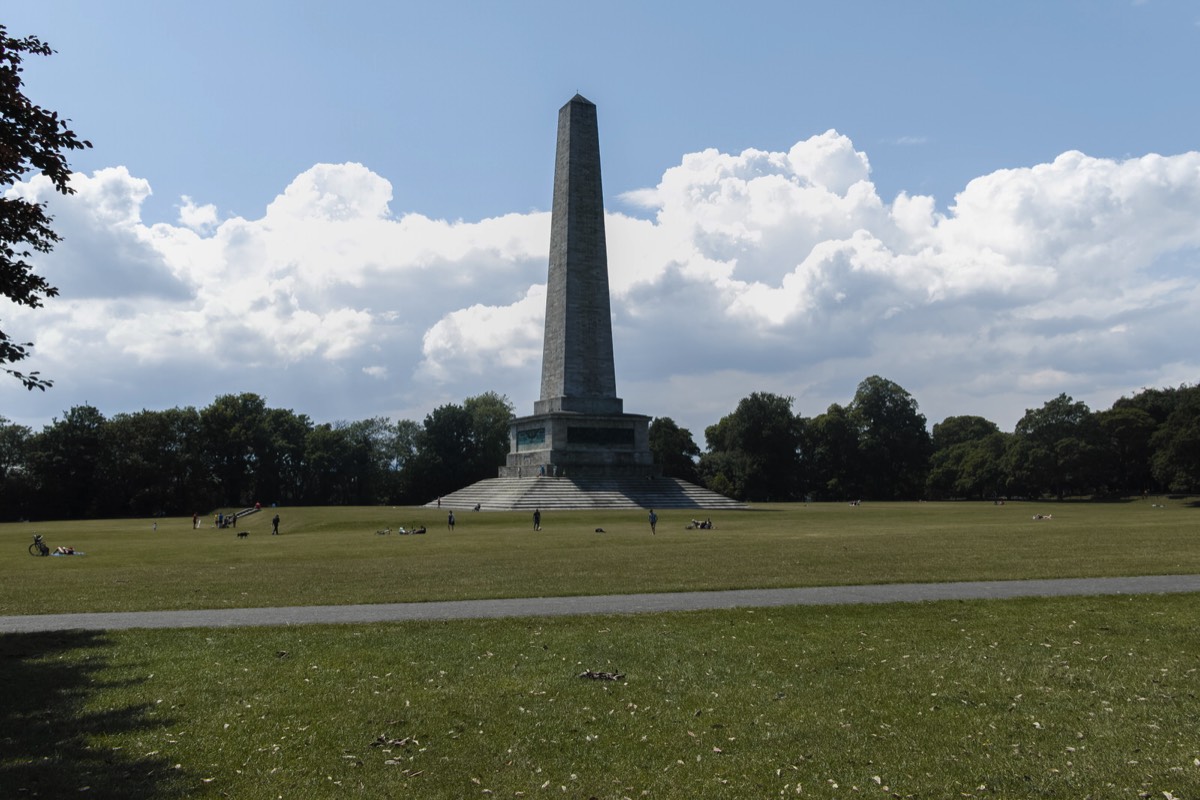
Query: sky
[344, 207]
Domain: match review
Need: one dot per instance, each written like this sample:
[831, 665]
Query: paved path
[602, 604]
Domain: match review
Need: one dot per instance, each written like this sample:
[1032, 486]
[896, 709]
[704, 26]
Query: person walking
[537, 519]
[275, 525]
[450, 522]
[653, 521]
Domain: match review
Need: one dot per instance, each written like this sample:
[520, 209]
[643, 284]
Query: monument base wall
[580, 445]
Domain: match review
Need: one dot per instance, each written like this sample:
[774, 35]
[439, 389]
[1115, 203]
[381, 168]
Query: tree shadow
[47, 732]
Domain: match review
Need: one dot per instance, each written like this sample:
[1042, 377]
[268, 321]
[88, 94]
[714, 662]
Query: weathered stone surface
[577, 445]
[578, 372]
[578, 427]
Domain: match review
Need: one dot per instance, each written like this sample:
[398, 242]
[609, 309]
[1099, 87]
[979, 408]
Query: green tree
[402, 462]
[346, 462]
[957, 430]
[455, 446]
[1124, 440]
[32, 139]
[445, 452]
[1158, 403]
[190, 489]
[674, 449]
[972, 469]
[15, 486]
[491, 415]
[370, 442]
[64, 459]
[280, 469]
[1054, 449]
[137, 465]
[830, 454]
[893, 443]
[234, 432]
[730, 472]
[324, 458]
[754, 452]
[967, 456]
[1176, 445]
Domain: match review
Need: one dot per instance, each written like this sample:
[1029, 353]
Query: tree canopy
[893, 443]
[32, 139]
[674, 449]
[239, 450]
[754, 452]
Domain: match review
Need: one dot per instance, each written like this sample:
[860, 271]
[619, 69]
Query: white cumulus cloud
[775, 271]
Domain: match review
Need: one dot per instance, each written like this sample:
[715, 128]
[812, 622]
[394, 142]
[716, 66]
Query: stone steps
[517, 494]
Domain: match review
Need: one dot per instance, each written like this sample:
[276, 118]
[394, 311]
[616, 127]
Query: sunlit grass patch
[1062, 698]
[333, 555]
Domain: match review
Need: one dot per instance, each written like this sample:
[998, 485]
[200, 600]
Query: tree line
[878, 447]
[238, 451]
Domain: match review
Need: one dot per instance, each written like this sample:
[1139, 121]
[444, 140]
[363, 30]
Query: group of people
[701, 524]
[222, 520]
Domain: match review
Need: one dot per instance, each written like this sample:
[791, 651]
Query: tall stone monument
[578, 428]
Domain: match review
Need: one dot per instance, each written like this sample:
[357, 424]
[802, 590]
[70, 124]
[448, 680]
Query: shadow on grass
[47, 734]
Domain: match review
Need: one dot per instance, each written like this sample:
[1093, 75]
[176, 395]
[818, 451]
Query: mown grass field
[1062, 698]
[333, 556]
[1052, 698]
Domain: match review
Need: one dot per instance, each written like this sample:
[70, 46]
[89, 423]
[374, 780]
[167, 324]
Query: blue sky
[342, 206]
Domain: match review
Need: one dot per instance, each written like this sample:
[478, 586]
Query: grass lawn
[1057, 698]
[1051, 698]
[333, 556]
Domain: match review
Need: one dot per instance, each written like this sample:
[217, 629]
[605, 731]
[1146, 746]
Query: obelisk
[578, 373]
[577, 428]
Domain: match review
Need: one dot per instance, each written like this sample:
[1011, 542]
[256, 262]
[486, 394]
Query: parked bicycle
[38, 548]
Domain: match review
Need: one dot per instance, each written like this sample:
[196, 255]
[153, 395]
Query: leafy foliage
[893, 443]
[754, 452]
[1056, 448]
[1176, 445]
[32, 139]
[459, 445]
[831, 453]
[238, 450]
[674, 449]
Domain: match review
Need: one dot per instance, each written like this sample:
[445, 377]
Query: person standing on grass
[537, 519]
[450, 522]
[275, 525]
[653, 521]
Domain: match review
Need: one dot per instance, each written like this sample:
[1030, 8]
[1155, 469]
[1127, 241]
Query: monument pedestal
[566, 444]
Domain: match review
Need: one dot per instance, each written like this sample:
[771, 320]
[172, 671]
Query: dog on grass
[243, 534]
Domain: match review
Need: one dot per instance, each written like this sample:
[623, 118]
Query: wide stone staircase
[546, 493]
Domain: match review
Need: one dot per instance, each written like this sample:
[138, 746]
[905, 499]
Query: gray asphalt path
[602, 604]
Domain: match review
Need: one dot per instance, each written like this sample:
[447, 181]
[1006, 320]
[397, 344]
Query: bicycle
[38, 548]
